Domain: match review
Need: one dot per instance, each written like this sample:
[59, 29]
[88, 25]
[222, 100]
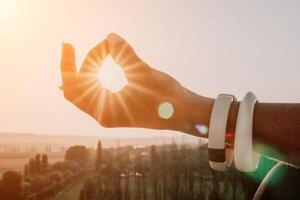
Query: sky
[210, 47]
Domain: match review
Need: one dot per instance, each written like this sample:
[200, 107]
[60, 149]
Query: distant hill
[59, 141]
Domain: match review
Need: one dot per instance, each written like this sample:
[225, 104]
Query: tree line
[157, 172]
[41, 180]
[160, 173]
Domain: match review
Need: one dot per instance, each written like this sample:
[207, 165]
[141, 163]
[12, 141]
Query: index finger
[94, 58]
[121, 51]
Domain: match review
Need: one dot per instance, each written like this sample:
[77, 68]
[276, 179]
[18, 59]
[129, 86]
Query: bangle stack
[220, 157]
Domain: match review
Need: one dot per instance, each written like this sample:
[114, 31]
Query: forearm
[276, 127]
[276, 130]
[194, 111]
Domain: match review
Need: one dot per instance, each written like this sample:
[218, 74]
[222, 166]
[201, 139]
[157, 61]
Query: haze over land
[17, 148]
[220, 47]
[27, 141]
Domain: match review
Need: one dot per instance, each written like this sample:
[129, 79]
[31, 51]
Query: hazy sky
[209, 46]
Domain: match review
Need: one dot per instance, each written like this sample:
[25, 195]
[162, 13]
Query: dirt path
[70, 193]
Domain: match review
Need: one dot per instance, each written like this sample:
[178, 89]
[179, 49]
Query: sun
[5, 5]
[7, 9]
[111, 76]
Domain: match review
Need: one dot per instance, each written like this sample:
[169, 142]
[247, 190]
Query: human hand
[151, 99]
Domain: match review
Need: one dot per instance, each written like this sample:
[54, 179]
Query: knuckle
[107, 122]
[68, 95]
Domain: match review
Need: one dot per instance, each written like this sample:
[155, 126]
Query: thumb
[68, 66]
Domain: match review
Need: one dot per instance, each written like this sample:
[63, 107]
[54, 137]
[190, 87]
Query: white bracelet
[245, 158]
[220, 157]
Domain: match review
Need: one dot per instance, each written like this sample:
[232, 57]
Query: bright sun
[111, 75]
[7, 8]
[5, 5]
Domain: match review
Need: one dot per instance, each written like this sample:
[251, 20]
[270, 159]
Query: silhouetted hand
[138, 103]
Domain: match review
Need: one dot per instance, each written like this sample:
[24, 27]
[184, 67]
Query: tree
[31, 166]
[89, 191]
[10, 188]
[38, 182]
[98, 161]
[55, 176]
[44, 162]
[66, 165]
[37, 163]
[77, 154]
[137, 172]
[154, 161]
[26, 170]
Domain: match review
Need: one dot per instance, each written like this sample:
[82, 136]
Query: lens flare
[165, 110]
[202, 129]
[266, 163]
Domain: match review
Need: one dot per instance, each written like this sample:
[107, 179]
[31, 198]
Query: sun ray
[96, 57]
[94, 99]
[111, 105]
[143, 89]
[135, 75]
[100, 105]
[90, 65]
[87, 80]
[101, 51]
[134, 99]
[120, 54]
[124, 60]
[86, 92]
[125, 109]
[133, 66]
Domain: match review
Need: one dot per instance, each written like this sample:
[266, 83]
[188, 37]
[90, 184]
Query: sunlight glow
[6, 7]
[111, 76]
[5, 11]
[4, 3]
[202, 129]
[125, 109]
[165, 110]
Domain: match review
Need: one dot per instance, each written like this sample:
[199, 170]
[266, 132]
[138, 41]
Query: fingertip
[114, 38]
[67, 47]
[68, 58]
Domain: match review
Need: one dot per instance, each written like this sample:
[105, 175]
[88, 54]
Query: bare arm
[276, 126]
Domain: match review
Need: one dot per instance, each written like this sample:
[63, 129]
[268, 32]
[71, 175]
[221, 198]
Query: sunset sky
[209, 46]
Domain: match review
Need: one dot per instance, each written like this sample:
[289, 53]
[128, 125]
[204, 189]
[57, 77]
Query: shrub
[66, 165]
[55, 176]
[78, 154]
[10, 187]
[38, 182]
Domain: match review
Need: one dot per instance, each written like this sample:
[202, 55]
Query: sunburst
[125, 108]
[106, 99]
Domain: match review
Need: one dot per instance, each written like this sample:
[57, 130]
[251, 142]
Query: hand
[138, 103]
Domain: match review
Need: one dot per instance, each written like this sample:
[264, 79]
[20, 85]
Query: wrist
[196, 111]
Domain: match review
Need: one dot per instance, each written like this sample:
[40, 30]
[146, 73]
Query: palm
[134, 106]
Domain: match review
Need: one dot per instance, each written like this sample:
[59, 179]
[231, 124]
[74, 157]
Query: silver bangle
[220, 157]
[245, 158]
